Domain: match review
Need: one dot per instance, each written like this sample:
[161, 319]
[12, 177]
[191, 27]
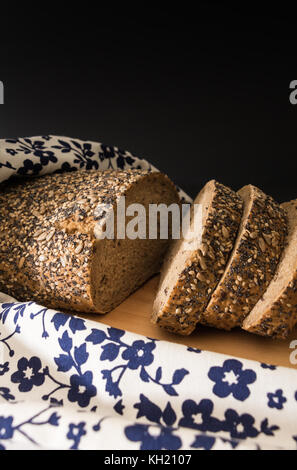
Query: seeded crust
[189, 277]
[253, 262]
[48, 247]
[275, 314]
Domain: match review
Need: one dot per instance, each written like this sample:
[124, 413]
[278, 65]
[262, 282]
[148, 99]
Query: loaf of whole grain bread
[48, 246]
[253, 261]
[276, 312]
[188, 276]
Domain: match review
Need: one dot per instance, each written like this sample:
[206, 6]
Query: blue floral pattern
[5, 394]
[99, 387]
[232, 379]
[158, 435]
[137, 356]
[199, 416]
[8, 427]
[4, 368]
[75, 433]
[28, 374]
[276, 400]
[81, 366]
[37, 151]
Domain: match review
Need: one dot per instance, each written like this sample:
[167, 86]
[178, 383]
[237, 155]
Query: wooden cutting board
[134, 315]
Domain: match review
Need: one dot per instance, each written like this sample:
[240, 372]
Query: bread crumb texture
[185, 300]
[275, 314]
[253, 262]
[47, 240]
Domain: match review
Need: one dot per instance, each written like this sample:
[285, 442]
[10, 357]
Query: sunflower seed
[225, 232]
[42, 236]
[50, 235]
[262, 244]
[267, 238]
[79, 248]
[204, 249]
[253, 235]
[200, 277]
[202, 263]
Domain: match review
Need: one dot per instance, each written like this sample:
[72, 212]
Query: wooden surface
[134, 315]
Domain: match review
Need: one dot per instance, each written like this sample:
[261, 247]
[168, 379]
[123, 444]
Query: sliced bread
[189, 276]
[50, 250]
[253, 262]
[276, 312]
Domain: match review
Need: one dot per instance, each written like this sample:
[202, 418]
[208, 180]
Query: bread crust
[279, 317]
[204, 267]
[253, 262]
[47, 239]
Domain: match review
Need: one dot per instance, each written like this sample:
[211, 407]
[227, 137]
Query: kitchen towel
[71, 383]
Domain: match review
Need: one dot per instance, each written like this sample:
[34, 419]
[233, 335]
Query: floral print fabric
[98, 387]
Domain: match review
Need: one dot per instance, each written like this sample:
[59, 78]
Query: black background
[202, 93]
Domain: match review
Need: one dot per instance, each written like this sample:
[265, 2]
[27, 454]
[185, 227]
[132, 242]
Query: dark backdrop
[201, 93]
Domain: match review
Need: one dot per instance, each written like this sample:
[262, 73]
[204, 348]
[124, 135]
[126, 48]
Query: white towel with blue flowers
[70, 383]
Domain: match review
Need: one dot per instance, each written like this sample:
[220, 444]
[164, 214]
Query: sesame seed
[42, 236]
[79, 248]
[201, 277]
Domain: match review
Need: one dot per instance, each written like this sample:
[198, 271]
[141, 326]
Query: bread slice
[253, 262]
[189, 276]
[276, 312]
[48, 246]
